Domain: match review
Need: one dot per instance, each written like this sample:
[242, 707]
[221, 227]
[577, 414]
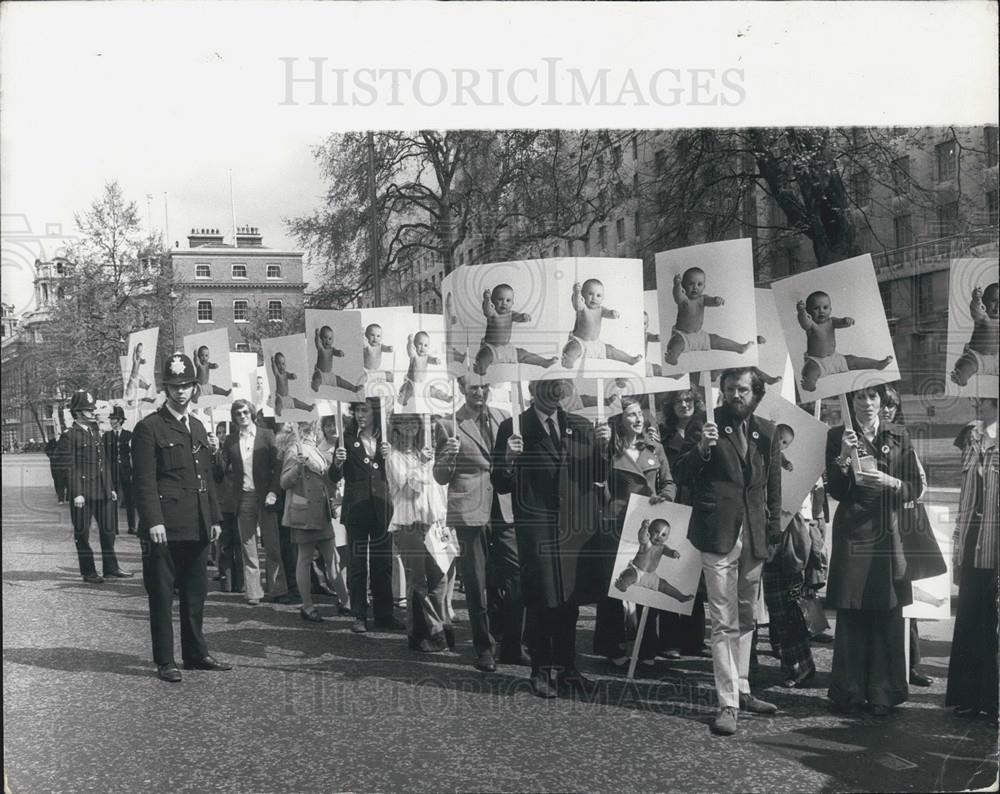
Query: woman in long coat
[867, 583]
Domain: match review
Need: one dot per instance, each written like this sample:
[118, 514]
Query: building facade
[220, 285]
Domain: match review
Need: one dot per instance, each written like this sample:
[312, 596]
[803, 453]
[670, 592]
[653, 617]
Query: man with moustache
[733, 467]
[488, 561]
[179, 518]
[552, 470]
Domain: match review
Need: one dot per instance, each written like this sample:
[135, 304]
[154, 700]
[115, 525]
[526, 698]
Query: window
[586, 246]
[925, 293]
[556, 251]
[635, 184]
[241, 311]
[243, 347]
[620, 230]
[602, 237]
[635, 225]
[461, 258]
[947, 160]
[661, 162]
[239, 271]
[661, 202]
[569, 248]
[885, 290]
[600, 165]
[791, 260]
[900, 173]
[274, 311]
[903, 228]
[990, 138]
[202, 271]
[991, 207]
[947, 217]
[204, 311]
[274, 271]
[861, 187]
[635, 147]
[616, 156]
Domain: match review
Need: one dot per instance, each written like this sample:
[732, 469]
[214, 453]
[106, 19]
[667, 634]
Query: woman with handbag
[972, 672]
[307, 510]
[638, 466]
[418, 503]
[866, 584]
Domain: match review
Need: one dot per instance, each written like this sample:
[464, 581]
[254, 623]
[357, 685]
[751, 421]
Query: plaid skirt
[787, 629]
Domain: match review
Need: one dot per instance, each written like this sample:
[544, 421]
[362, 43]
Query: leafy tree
[258, 326]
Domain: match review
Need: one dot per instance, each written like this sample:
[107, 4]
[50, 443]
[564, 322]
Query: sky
[168, 96]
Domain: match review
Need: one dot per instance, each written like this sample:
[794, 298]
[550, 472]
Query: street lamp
[173, 296]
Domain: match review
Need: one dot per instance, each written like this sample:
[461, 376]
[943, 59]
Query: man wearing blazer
[489, 565]
[554, 469]
[733, 467]
[118, 450]
[92, 493]
[178, 518]
[250, 457]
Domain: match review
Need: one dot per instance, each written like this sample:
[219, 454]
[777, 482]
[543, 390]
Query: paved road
[316, 708]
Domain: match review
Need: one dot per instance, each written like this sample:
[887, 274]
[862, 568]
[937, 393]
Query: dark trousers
[126, 498]
[289, 557]
[104, 511]
[684, 633]
[610, 631]
[231, 554]
[371, 547]
[164, 565]
[490, 573]
[551, 635]
[60, 480]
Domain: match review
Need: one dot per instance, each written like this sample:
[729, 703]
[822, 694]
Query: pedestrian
[638, 465]
[250, 454]
[867, 582]
[336, 587]
[178, 518]
[683, 412]
[304, 476]
[732, 465]
[118, 450]
[91, 490]
[972, 670]
[51, 447]
[230, 555]
[419, 503]
[488, 560]
[551, 469]
[366, 512]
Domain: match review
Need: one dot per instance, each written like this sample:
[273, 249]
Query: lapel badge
[569, 431]
[374, 465]
[755, 434]
[729, 430]
[357, 443]
[651, 462]
[885, 449]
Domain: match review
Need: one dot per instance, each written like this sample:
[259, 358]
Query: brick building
[225, 286]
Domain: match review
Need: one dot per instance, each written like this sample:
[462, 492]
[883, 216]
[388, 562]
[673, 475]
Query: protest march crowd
[532, 511]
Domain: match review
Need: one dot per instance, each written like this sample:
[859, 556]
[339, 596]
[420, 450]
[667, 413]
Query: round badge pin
[357, 443]
[885, 449]
[729, 430]
[755, 434]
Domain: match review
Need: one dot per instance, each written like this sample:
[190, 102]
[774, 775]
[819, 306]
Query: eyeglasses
[243, 412]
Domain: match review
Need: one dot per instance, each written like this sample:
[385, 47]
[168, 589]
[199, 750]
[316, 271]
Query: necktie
[486, 429]
[553, 433]
[741, 439]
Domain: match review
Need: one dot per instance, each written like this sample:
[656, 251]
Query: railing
[952, 247]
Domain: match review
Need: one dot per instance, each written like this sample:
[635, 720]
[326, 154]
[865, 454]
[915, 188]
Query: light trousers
[733, 583]
[250, 514]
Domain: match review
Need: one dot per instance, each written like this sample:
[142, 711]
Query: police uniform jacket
[119, 455]
[172, 476]
[89, 475]
[366, 497]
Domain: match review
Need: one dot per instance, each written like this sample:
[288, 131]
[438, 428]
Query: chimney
[249, 237]
[200, 238]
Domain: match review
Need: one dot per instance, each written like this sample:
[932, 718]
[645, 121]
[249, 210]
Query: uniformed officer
[118, 448]
[91, 490]
[179, 517]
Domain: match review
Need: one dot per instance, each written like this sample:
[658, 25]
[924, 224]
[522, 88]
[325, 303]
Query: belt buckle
[202, 488]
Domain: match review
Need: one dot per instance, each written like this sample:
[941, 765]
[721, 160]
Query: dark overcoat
[556, 495]
[89, 475]
[366, 496]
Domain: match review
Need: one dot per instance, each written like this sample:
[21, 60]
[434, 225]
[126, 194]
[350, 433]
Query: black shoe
[755, 705]
[575, 682]
[344, 612]
[799, 681]
[449, 637]
[311, 614]
[485, 663]
[359, 626]
[522, 659]
[132, 531]
[390, 624]
[322, 589]
[119, 574]
[541, 686]
[224, 585]
[168, 672]
[93, 578]
[207, 663]
[919, 679]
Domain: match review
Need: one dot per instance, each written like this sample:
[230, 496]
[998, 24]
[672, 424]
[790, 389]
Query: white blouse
[417, 498]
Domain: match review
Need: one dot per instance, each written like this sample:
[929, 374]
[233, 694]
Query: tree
[258, 326]
[437, 191]
[116, 282]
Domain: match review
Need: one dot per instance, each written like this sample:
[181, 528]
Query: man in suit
[92, 491]
[118, 450]
[178, 518]
[553, 469]
[463, 462]
[735, 477]
[250, 457]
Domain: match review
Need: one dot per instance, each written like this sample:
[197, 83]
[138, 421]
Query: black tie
[486, 430]
[741, 439]
[553, 433]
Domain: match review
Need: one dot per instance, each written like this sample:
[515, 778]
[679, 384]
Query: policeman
[118, 448]
[91, 490]
[179, 517]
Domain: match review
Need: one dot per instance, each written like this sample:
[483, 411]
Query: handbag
[920, 548]
[442, 545]
[813, 615]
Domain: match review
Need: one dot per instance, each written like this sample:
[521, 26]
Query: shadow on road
[79, 660]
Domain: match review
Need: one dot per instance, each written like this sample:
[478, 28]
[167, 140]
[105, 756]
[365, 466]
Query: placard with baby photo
[802, 438]
[460, 355]
[243, 369]
[262, 395]
[580, 395]
[336, 357]
[707, 312]
[772, 351]
[383, 346]
[287, 364]
[835, 328]
[508, 314]
[653, 382]
[425, 387]
[656, 564]
[209, 352]
[973, 342]
[139, 366]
